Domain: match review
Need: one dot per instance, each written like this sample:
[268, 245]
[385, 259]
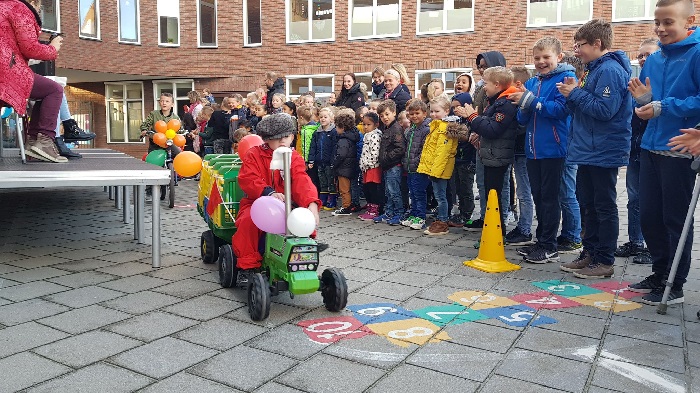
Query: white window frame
[287, 15]
[648, 12]
[97, 22]
[444, 22]
[245, 25]
[124, 101]
[179, 27]
[138, 24]
[367, 74]
[58, 18]
[443, 71]
[216, 27]
[374, 24]
[287, 85]
[173, 83]
[559, 23]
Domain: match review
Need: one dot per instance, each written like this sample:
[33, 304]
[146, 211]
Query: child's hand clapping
[687, 142]
[566, 87]
[515, 97]
[646, 112]
[638, 89]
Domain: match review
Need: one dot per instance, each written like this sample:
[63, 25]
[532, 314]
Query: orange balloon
[160, 140]
[161, 126]
[187, 164]
[179, 140]
[247, 142]
[174, 124]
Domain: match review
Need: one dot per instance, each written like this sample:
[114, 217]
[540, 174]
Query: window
[124, 102]
[366, 78]
[89, 19]
[374, 18]
[448, 76]
[128, 21]
[207, 23]
[440, 16]
[322, 85]
[50, 15]
[179, 90]
[318, 26]
[558, 12]
[169, 22]
[252, 22]
[624, 10]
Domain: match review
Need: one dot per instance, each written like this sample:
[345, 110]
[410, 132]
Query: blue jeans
[524, 193]
[505, 194]
[356, 188]
[570, 210]
[440, 193]
[392, 190]
[417, 187]
[63, 114]
[634, 224]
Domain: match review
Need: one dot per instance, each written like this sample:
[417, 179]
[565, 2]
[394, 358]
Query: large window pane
[299, 20]
[298, 86]
[543, 12]
[116, 121]
[387, 17]
[322, 25]
[630, 9]
[169, 20]
[128, 21]
[124, 112]
[322, 85]
[362, 18]
[461, 16]
[133, 92]
[575, 10]
[134, 114]
[207, 23]
[252, 22]
[49, 15]
[89, 15]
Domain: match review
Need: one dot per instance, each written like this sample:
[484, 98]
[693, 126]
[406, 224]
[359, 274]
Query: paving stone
[98, 377]
[469, 282]
[83, 349]
[188, 288]
[126, 269]
[84, 319]
[29, 275]
[661, 333]
[492, 338]
[324, 373]
[274, 387]
[555, 343]
[338, 262]
[163, 357]
[399, 256]
[29, 310]
[135, 283]
[5, 269]
[279, 314]
[403, 379]
[18, 338]
[152, 326]
[30, 290]
[12, 257]
[25, 369]
[500, 384]
[426, 267]
[125, 256]
[655, 355]
[184, 382]
[536, 368]
[204, 308]
[179, 272]
[240, 359]
[362, 275]
[141, 302]
[381, 265]
[574, 324]
[84, 296]
[81, 254]
[627, 377]
[221, 333]
[82, 279]
[390, 290]
[31, 263]
[451, 359]
[411, 278]
[85, 265]
[288, 340]
[372, 350]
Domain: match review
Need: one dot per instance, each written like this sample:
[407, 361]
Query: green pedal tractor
[290, 263]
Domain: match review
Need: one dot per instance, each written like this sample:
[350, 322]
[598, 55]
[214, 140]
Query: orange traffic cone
[492, 253]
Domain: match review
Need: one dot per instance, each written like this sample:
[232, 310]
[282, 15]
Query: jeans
[505, 194]
[326, 179]
[392, 191]
[463, 176]
[524, 193]
[356, 189]
[595, 189]
[666, 189]
[440, 192]
[570, 210]
[493, 180]
[634, 224]
[63, 114]
[545, 179]
[45, 113]
[417, 187]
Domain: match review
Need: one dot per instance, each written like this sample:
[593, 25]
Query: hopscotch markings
[453, 314]
[617, 288]
[409, 331]
[519, 316]
[479, 300]
[545, 300]
[606, 301]
[566, 289]
[380, 312]
[330, 330]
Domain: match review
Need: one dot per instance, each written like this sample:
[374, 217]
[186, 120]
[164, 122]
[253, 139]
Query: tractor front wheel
[228, 271]
[258, 297]
[334, 289]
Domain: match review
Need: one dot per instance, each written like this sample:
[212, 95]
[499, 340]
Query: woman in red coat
[20, 26]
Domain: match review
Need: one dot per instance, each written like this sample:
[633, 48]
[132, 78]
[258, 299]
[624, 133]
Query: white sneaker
[418, 223]
[408, 221]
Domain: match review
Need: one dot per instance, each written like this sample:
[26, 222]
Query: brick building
[119, 55]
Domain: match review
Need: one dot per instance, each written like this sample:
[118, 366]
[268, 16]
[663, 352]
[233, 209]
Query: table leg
[136, 212]
[125, 205]
[155, 221]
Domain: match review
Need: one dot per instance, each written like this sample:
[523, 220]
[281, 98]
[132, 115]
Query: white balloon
[301, 222]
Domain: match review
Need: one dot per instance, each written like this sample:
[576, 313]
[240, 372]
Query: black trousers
[545, 178]
[596, 193]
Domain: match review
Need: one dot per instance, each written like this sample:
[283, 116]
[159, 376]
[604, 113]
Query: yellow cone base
[491, 266]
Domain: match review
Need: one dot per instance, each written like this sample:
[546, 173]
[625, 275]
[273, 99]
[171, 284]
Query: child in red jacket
[256, 180]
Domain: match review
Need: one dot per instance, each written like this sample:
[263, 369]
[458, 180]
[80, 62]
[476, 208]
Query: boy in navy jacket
[600, 143]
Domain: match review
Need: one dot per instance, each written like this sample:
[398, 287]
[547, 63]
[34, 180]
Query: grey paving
[84, 319]
[184, 382]
[19, 338]
[402, 379]
[86, 348]
[213, 333]
[99, 377]
[151, 326]
[84, 296]
[25, 369]
[163, 357]
[29, 310]
[322, 373]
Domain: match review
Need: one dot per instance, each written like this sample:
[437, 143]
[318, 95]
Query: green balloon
[156, 157]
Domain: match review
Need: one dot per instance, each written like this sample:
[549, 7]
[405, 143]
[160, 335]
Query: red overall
[255, 180]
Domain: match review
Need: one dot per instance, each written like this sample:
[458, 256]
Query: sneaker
[367, 216]
[648, 285]
[516, 238]
[408, 221]
[595, 270]
[654, 298]
[354, 208]
[418, 224]
[381, 218]
[540, 255]
[525, 251]
[511, 218]
[321, 246]
[474, 225]
[583, 260]
[629, 249]
[568, 246]
[396, 220]
[437, 228]
[455, 222]
[43, 148]
[344, 211]
[243, 277]
[643, 258]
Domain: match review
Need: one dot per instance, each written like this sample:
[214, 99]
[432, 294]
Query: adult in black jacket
[395, 90]
[274, 85]
[219, 121]
[350, 95]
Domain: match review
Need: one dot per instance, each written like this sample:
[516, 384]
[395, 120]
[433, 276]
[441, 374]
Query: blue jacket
[602, 113]
[543, 109]
[323, 145]
[674, 72]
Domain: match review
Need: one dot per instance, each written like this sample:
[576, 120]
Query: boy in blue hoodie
[543, 109]
[670, 99]
[600, 143]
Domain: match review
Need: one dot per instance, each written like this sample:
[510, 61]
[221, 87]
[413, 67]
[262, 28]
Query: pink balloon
[268, 215]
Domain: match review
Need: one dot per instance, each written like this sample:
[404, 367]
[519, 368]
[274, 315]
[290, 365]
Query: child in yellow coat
[438, 158]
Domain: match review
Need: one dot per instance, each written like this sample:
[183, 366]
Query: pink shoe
[372, 211]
